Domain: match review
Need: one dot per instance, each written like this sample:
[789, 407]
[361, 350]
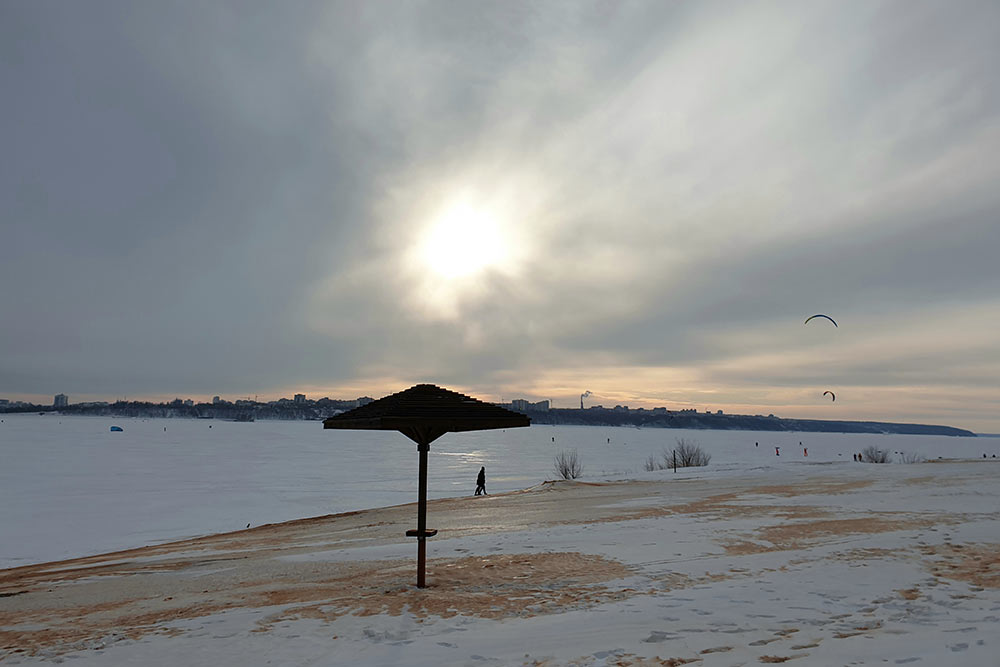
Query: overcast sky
[643, 200]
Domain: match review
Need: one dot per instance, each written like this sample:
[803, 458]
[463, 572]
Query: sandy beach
[830, 564]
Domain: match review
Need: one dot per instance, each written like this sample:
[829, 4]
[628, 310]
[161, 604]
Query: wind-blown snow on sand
[822, 564]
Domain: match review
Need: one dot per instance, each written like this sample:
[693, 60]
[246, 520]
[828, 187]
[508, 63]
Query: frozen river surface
[70, 487]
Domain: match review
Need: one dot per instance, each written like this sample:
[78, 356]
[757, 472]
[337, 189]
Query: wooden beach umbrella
[423, 413]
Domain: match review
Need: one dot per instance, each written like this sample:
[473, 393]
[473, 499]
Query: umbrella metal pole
[422, 448]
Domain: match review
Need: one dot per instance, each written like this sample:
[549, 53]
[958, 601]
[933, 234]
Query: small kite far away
[832, 395]
[820, 315]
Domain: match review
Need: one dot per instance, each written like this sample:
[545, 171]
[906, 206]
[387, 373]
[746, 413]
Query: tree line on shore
[288, 409]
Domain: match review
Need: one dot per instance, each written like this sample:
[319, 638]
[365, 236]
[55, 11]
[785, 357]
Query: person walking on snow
[481, 482]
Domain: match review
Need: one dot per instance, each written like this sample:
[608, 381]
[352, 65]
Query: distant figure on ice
[481, 482]
[777, 451]
[756, 444]
[805, 451]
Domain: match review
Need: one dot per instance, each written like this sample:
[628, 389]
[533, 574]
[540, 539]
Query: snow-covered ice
[70, 487]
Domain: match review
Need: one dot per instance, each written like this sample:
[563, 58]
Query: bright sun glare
[464, 241]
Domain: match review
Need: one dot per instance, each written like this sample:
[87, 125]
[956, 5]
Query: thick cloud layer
[236, 198]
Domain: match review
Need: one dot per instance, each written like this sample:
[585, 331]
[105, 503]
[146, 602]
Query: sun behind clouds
[465, 249]
[464, 241]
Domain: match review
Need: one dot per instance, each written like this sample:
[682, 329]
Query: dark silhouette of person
[481, 482]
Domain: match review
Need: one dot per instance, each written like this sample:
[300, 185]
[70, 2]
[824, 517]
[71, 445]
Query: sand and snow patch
[977, 564]
[495, 587]
[794, 536]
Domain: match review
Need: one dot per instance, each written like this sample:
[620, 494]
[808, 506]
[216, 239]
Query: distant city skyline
[518, 401]
[510, 199]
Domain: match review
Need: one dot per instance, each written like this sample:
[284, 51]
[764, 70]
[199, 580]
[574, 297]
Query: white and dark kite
[820, 315]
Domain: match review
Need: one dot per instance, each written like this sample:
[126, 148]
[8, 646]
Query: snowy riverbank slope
[817, 565]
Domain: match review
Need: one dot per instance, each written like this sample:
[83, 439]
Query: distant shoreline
[727, 422]
[595, 416]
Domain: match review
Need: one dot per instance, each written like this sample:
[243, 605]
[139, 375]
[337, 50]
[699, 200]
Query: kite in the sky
[820, 315]
[832, 395]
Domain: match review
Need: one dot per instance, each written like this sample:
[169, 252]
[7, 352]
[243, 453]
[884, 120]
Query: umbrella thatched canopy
[424, 413]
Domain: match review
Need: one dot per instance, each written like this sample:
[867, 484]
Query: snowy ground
[69, 487]
[826, 564]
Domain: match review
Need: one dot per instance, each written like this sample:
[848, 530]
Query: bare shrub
[654, 463]
[686, 454]
[875, 455]
[567, 465]
[908, 457]
[689, 453]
